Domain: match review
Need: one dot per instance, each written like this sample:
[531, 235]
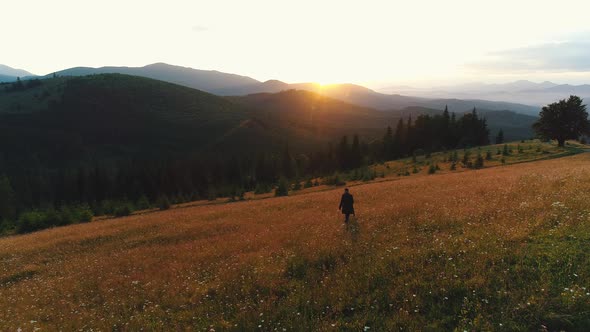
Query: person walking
[346, 205]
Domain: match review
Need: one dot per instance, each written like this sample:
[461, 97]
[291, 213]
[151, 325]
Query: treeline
[434, 133]
[40, 197]
[18, 85]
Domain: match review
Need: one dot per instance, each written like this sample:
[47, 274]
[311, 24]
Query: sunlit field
[501, 248]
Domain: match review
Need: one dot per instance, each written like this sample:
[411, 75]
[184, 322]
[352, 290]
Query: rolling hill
[9, 71]
[229, 84]
[206, 80]
[115, 115]
[315, 114]
[500, 248]
[523, 91]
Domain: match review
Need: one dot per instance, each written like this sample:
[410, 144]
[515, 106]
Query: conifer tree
[500, 137]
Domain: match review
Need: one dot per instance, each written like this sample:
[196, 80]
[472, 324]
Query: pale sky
[367, 42]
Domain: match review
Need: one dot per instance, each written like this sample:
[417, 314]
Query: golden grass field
[502, 248]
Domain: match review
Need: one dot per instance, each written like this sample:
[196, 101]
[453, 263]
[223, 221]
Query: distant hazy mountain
[235, 85]
[206, 80]
[9, 71]
[362, 96]
[320, 114]
[524, 92]
[7, 78]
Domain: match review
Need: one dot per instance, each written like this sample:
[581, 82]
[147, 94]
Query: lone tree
[565, 119]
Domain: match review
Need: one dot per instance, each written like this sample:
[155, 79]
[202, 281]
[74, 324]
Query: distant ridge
[206, 80]
[225, 84]
[521, 92]
[9, 71]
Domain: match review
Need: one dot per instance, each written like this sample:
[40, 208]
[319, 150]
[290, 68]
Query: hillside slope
[206, 80]
[116, 115]
[230, 84]
[500, 248]
[314, 114]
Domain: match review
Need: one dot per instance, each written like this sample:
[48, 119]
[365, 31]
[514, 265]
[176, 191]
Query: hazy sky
[368, 42]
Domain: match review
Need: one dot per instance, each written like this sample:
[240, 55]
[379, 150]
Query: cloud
[570, 56]
[199, 28]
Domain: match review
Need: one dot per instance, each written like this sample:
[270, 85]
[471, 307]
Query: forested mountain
[211, 81]
[229, 85]
[313, 114]
[117, 138]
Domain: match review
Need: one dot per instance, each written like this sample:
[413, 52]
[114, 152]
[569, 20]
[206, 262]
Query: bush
[465, 160]
[123, 210]
[488, 155]
[163, 203]
[262, 188]
[107, 207]
[478, 161]
[83, 213]
[30, 222]
[282, 188]
[334, 180]
[505, 151]
[143, 203]
[308, 184]
[432, 169]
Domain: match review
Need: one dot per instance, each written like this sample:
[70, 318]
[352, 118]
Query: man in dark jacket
[346, 205]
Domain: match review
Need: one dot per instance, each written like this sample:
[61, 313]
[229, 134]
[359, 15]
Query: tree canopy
[562, 120]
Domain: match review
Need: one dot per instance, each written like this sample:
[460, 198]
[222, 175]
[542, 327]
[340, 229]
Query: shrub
[478, 161]
[308, 184]
[282, 188]
[163, 202]
[31, 221]
[83, 213]
[262, 188]
[505, 151]
[488, 155]
[334, 180]
[465, 160]
[124, 209]
[432, 169]
[143, 203]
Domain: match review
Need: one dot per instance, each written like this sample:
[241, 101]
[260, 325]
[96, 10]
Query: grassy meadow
[500, 248]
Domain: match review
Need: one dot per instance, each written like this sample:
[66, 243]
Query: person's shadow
[353, 227]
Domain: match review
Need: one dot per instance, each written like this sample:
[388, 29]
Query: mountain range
[9, 74]
[526, 92]
[520, 96]
[121, 115]
[230, 85]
